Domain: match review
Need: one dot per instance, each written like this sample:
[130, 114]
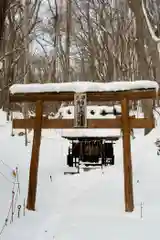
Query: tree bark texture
[3, 9]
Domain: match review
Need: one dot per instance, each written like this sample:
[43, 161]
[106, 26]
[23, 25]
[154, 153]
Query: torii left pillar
[33, 174]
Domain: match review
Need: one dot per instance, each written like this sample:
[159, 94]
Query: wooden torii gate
[125, 123]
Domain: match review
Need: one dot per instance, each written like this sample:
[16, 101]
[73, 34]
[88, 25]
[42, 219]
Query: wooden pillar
[127, 162]
[33, 175]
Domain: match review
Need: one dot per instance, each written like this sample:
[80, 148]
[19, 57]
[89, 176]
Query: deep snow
[80, 207]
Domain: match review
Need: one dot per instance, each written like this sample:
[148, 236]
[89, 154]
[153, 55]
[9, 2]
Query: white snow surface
[101, 132]
[67, 112]
[83, 87]
[88, 206]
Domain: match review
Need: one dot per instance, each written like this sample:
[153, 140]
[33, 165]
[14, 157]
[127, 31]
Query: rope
[16, 199]
[18, 190]
[13, 204]
[5, 224]
[6, 164]
[7, 179]
[6, 220]
[11, 170]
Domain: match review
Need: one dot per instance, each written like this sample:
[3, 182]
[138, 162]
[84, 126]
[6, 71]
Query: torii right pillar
[127, 161]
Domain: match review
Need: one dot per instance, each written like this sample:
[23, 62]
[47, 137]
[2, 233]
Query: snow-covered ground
[88, 206]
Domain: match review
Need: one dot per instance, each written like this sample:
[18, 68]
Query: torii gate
[40, 93]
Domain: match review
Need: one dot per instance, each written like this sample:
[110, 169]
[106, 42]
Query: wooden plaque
[80, 110]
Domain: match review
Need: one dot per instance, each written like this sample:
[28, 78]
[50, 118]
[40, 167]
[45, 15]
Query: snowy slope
[80, 207]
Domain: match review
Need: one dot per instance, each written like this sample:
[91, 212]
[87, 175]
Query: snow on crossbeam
[82, 87]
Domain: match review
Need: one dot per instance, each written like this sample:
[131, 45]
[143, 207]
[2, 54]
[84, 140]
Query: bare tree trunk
[144, 73]
[3, 9]
[52, 71]
[26, 56]
[152, 42]
[68, 40]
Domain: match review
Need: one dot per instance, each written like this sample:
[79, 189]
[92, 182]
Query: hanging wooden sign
[80, 110]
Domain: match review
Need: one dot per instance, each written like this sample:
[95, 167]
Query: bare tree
[3, 9]
[68, 39]
[146, 37]
[98, 40]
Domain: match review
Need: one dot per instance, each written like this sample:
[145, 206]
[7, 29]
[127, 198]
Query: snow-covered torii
[124, 92]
